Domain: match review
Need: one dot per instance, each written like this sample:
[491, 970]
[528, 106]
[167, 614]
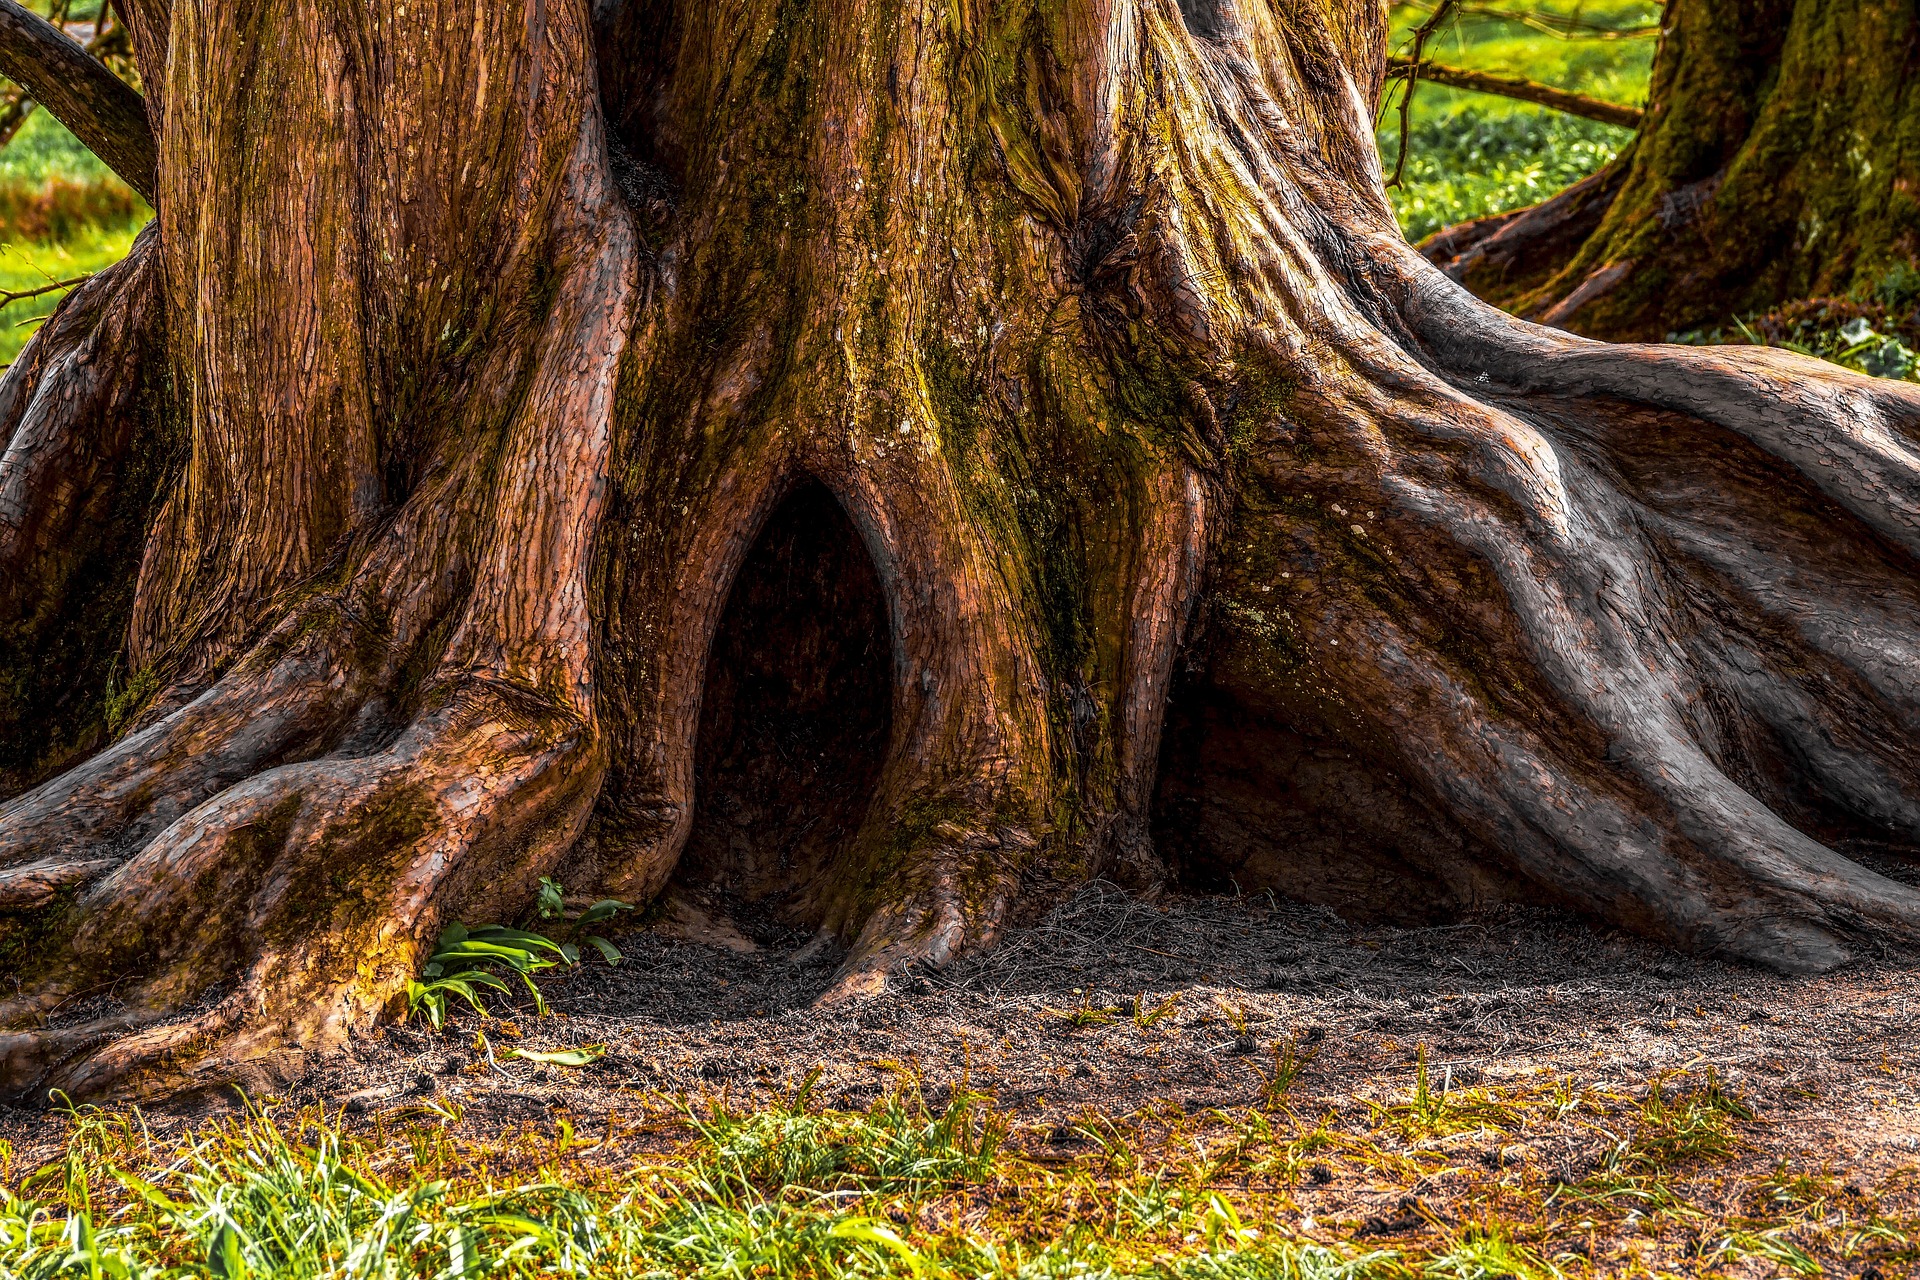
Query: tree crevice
[795, 716]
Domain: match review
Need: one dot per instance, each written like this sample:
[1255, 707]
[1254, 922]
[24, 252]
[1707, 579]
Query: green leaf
[148, 1192]
[529, 942]
[868, 1231]
[608, 952]
[518, 958]
[224, 1259]
[605, 909]
[580, 1057]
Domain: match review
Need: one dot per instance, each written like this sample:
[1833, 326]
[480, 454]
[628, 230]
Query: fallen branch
[101, 110]
[1543, 95]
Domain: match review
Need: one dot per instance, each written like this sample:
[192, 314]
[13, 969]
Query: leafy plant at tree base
[467, 961]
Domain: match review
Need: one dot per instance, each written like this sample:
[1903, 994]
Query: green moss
[30, 941]
[349, 876]
[124, 703]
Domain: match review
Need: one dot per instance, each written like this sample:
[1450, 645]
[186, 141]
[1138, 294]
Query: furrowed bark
[797, 453]
[108, 117]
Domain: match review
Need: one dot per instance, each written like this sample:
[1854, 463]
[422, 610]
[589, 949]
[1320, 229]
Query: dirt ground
[1828, 1063]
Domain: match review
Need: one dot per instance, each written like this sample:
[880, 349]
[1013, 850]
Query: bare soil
[1828, 1063]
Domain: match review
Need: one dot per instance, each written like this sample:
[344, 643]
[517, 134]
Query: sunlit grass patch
[955, 1188]
[30, 266]
[1472, 154]
[63, 215]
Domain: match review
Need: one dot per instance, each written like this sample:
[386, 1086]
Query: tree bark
[1775, 163]
[987, 359]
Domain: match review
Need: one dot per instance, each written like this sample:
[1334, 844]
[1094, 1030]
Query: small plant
[1143, 1017]
[1290, 1061]
[467, 961]
[1087, 1015]
[1488, 1253]
[1690, 1127]
[1445, 1110]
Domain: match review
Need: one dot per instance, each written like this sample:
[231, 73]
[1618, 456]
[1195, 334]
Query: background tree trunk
[793, 443]
[1776, 163]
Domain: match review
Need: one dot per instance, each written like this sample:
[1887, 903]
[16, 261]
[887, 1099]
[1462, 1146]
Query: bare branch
[1414, 64]
[1544, 95]
[10, 296]
[106, 115]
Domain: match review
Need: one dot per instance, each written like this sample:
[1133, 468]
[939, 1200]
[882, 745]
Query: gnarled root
[1638, 618]
[313, 887]
[262, 866]
[82, 453]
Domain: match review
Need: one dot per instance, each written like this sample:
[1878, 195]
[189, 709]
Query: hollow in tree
[476, 350]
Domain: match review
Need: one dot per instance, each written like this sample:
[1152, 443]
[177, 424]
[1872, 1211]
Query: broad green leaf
[605, 909]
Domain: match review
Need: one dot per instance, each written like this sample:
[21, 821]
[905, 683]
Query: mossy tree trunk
[1025, 347]
[1777, 161]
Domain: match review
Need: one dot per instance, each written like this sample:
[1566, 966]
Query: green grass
[702, 1188]
[62, 215]
[44, 149]
[27, 266]
[1470, 154]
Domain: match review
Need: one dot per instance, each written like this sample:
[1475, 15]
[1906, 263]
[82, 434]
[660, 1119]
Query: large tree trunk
[526, 360]
[1777, 161]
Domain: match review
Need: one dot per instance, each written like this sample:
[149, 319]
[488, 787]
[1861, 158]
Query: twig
[1440, 14]
[1543, 95]
[10, 296]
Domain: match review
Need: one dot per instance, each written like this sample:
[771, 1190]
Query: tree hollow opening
[1252, 797]
[794, 717]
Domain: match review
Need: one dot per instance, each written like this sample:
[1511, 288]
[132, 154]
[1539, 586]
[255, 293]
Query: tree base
[1041, 361]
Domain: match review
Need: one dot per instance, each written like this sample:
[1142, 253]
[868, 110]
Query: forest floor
[1515, 1094]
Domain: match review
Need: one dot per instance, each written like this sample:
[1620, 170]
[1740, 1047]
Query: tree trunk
[1776, 162]
[791, 444]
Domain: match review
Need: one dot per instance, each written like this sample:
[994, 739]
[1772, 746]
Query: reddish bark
[1094, 322]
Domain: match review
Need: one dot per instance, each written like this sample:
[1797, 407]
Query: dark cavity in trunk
[795, 714]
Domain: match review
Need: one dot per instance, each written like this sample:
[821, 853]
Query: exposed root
[1636, 610]
[82, 452]
[299, 832]
[34, 884]
[1506, 258]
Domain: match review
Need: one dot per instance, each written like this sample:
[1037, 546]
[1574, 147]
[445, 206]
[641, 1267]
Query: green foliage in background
[1473, 154]
[63, 214]
[44, 149]
[1472, 159]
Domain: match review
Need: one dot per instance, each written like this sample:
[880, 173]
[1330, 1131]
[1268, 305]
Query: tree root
[82, 452]
[298, 833]
[1637, 624]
